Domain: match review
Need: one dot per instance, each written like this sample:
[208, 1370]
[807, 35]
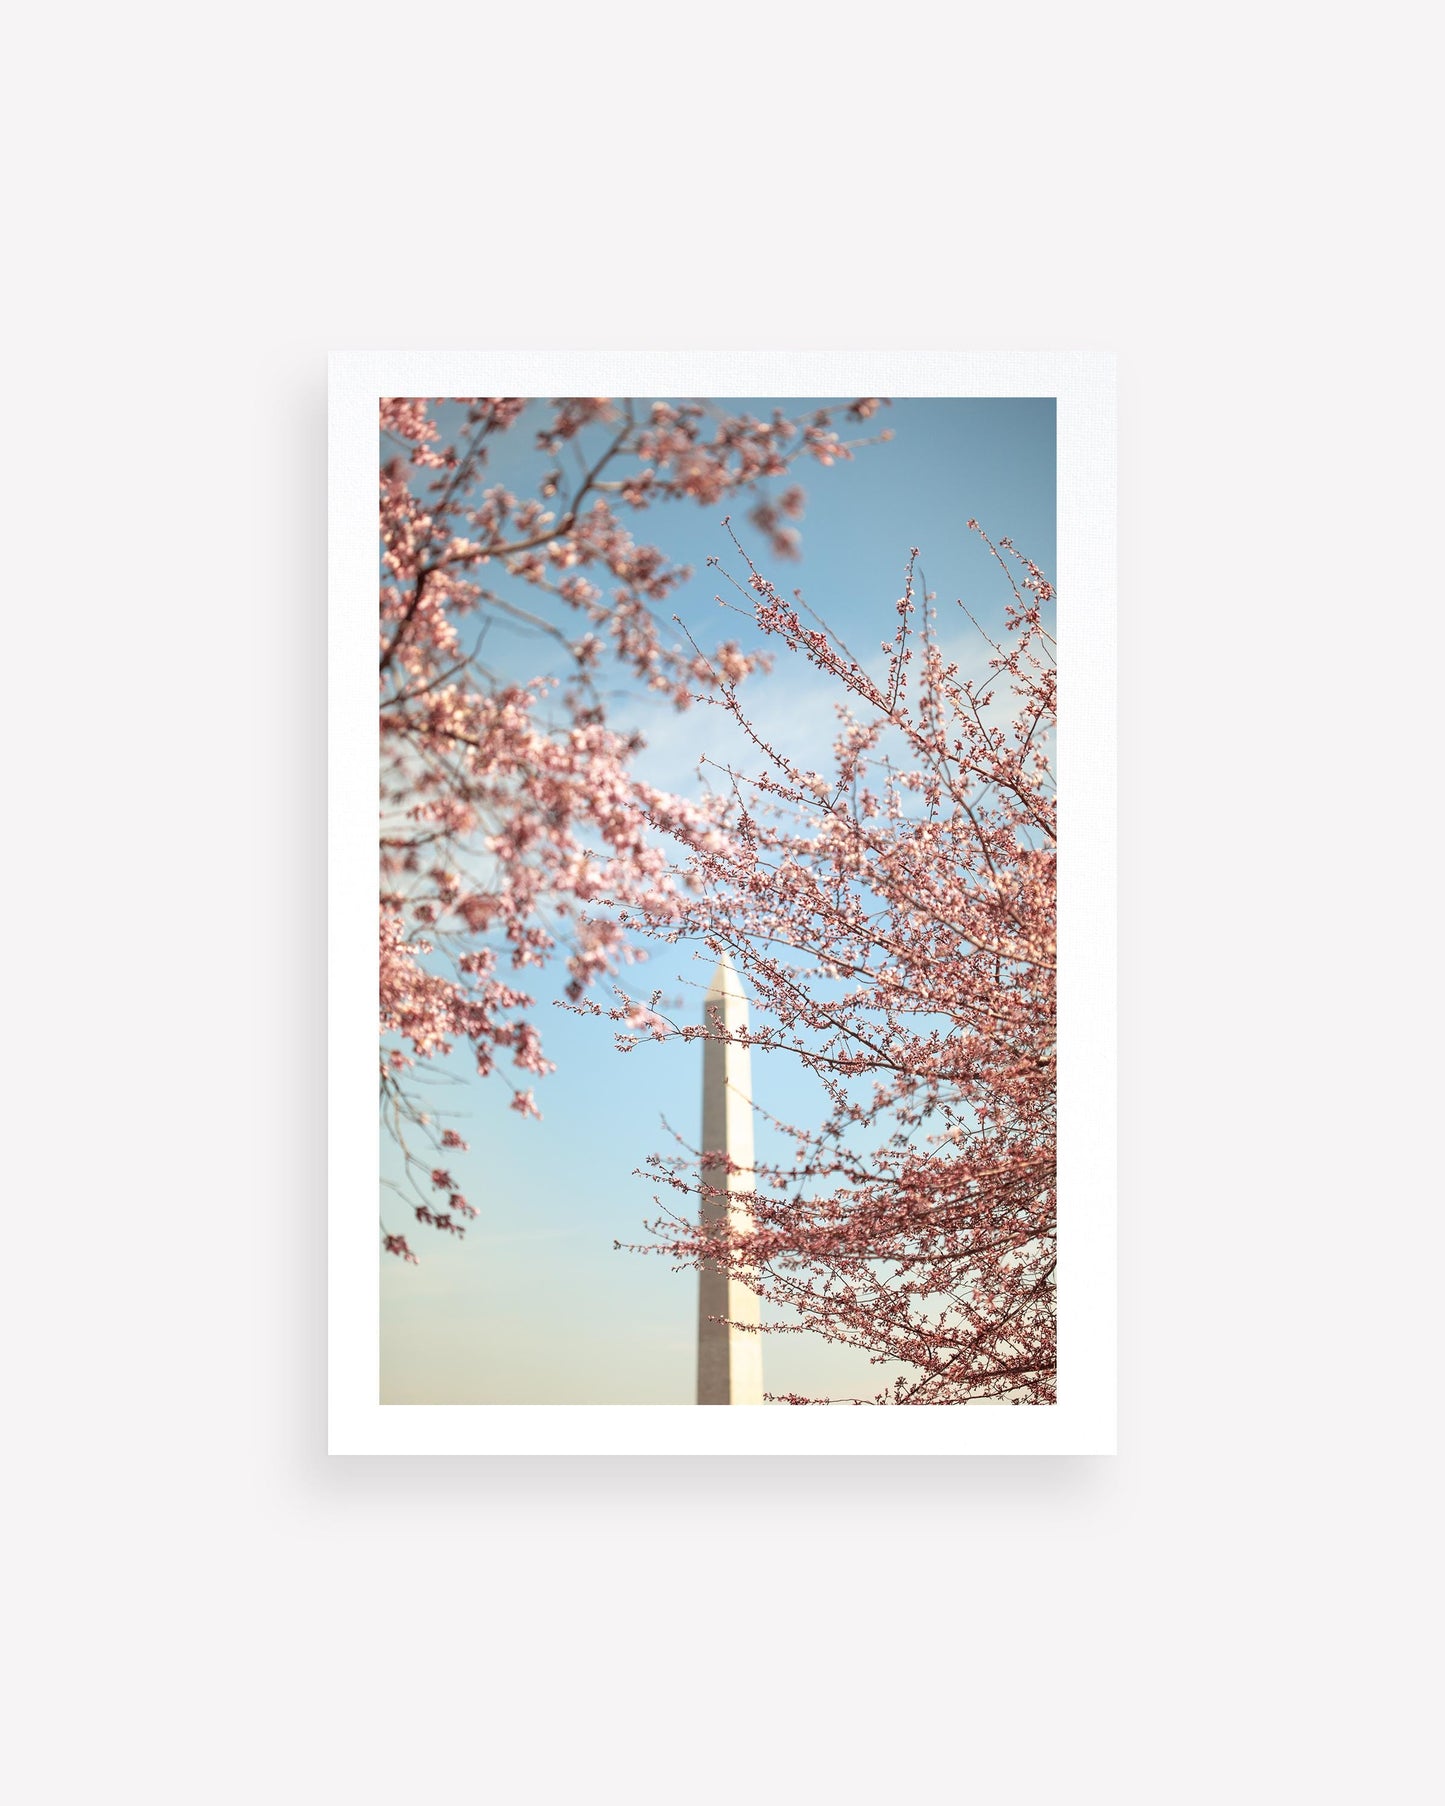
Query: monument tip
[725, 980]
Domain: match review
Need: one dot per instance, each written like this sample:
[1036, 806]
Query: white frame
[1083, 1421]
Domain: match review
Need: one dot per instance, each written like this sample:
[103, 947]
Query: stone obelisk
[729, 1361]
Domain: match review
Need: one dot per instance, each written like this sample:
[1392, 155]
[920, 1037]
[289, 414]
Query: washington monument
[729, 1360]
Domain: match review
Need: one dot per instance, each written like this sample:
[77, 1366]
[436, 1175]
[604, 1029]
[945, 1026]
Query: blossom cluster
[895, 921]
[511, 819]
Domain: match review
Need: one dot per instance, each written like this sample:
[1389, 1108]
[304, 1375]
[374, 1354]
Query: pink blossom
[510, 815]
[902, 949]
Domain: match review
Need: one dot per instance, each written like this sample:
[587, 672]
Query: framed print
[746, 971]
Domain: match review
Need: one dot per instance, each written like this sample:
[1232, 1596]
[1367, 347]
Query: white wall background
[202, 1606]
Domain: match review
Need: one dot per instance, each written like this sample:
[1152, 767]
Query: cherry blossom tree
[508, 802]
[895, 922]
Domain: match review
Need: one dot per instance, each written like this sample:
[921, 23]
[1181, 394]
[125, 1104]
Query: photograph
[718, 926]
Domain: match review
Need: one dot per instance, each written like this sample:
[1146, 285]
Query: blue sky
[534, 1305]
